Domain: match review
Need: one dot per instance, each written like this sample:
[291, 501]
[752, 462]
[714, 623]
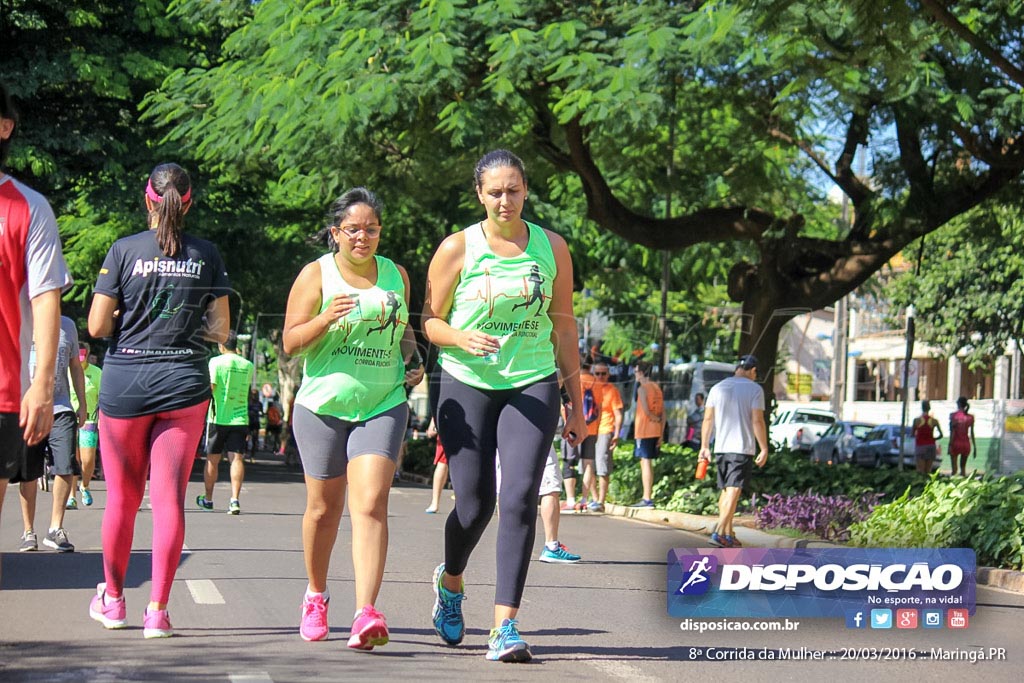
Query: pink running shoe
[156, 624]
[314, 619]
[107, 611]
[369, 629]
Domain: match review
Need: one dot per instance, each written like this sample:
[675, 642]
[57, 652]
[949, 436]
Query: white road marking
[204, 592]
[257, 677]
[620, 670]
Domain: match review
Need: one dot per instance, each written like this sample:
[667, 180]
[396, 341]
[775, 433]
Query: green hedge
[985, 514]
[419, 457]
[788, 473]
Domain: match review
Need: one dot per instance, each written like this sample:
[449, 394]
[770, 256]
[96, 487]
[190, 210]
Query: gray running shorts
[58, 449]
[733, 469]
[603, 455]
[326, 444]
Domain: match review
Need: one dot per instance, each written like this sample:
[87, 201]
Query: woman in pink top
[961, 436]
[925, 428]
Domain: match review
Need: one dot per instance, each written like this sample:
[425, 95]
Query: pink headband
[151, 193]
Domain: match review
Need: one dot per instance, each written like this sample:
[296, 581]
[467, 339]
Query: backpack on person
[591, 411]
[273, 415]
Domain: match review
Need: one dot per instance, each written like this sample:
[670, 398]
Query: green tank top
[507, 298]
[231, 377]
[355, 371]
[93, 377]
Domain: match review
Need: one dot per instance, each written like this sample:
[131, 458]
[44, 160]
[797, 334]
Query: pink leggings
[164, 445]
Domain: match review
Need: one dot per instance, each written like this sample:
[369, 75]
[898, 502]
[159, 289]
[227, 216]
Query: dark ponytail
[170, 190]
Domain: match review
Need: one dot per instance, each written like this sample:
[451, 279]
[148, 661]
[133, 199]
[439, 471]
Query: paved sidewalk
[1006, 579]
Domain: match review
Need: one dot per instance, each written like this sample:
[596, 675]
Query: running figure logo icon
[537, 293]
[697, 578]
[392, 319]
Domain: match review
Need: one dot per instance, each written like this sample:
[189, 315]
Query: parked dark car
[836, 445]
[881, 447]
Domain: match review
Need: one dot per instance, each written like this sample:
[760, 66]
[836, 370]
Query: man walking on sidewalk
[230, 379]
[735, 414]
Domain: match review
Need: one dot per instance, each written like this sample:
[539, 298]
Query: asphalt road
[235, 607]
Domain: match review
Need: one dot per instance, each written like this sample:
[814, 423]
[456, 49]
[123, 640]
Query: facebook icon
[855, 619]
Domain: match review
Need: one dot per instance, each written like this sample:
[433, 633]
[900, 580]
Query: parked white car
[800, 428]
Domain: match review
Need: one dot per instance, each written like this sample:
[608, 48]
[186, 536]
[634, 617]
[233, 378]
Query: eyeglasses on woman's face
[352, 231]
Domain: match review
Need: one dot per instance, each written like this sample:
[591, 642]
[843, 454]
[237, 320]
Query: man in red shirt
[32, 276]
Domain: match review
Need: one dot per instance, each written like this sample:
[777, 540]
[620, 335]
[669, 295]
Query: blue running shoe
[204, 504]
[559, 556]
[86, 495]
[447, 614]
[506, 645]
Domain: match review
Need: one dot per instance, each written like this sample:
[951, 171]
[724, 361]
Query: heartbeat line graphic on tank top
[388, 317]
[530, 293]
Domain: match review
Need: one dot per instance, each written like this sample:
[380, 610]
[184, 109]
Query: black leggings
[519, 424]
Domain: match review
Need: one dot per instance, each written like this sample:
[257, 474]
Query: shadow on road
[36, 571]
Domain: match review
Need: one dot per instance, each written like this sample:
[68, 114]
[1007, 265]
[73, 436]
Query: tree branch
[705, 225]
[914, 164]
[949, 20]
[856, 134]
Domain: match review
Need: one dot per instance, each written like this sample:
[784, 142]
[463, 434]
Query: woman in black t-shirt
[159, 296]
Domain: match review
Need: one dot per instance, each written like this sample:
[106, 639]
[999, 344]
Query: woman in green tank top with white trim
[499, 306]
[348, 317]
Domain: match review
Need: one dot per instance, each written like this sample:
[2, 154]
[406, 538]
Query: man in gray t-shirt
[59, 445]
[734, 414]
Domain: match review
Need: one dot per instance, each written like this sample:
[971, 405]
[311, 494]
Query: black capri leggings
[473, 424]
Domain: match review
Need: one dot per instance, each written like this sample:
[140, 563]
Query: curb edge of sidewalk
[1005, 579]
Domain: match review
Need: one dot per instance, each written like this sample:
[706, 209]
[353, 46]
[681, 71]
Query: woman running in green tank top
[499, 306]
[348, 317]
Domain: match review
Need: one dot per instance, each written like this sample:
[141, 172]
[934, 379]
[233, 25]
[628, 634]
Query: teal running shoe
[506, 645]
[559, 556]
[86, 495]
[204, 504]
[447, 613]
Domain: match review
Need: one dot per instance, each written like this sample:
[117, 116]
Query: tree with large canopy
[686, 123]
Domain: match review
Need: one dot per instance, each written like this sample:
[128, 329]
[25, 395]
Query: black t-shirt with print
[157, 359]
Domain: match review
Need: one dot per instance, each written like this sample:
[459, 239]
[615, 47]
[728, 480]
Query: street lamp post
[907, 359]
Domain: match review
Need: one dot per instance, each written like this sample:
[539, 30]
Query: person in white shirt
[734, 414]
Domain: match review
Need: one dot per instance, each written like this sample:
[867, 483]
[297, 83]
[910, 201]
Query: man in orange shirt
[650, 426]
[607, 437]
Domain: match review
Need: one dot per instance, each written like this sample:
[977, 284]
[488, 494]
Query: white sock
[326, 595]
[552, 546]
[570, 500]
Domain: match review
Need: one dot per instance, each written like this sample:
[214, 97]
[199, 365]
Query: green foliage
[785, 473]
[419, 457]
[969, 293]
[985, 514]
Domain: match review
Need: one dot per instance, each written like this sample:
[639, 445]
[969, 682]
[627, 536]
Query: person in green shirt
[499, 307]
[231, 375]
[348, 317]
[89, 434]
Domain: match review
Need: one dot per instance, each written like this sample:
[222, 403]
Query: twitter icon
[881, 618]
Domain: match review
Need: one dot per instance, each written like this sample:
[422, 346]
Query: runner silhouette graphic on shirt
[392, 320]
[537, 294]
